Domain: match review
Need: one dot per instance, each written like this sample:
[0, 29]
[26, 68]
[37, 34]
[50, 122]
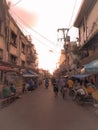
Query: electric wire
[34, 29]
[25, 31]
[16, 3]
[72, 13]
[70, 26]
[37, 31]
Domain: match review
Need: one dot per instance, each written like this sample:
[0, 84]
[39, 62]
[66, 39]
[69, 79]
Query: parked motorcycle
[74, 91]
[82, 98]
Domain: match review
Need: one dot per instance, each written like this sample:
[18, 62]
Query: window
[13, 38]
[22, 63]
[13, 59]
[23, 47]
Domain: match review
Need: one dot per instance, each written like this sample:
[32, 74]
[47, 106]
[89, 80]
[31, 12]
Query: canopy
[29, 74]
[92, 67]
[80, 76]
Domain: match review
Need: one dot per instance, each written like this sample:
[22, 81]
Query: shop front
[92, 68]
[10, 75]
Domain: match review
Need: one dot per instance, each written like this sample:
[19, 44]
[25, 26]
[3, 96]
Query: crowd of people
[83, 86]
[10, 89]
[29, 85]
[61, 84]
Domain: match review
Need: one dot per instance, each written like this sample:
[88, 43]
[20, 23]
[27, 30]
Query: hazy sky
[41, 19]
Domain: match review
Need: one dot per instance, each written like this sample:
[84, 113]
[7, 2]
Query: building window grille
[13, 39]
[23, 48]
[13, 59]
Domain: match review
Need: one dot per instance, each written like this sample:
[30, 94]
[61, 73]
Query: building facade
[87, 22]
[17, 53]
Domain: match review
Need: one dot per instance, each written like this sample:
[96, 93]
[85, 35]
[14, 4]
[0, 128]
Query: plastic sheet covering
[81, 76]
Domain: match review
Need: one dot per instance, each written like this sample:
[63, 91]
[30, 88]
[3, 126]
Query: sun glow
[45, 16]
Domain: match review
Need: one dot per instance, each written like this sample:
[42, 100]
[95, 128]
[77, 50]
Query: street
[41, 110]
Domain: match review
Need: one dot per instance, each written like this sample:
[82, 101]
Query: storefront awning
[80, 76]
[30, 74]
[92, 67]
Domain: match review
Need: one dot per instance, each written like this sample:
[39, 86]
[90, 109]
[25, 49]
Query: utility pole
[63, 30]
[66, 39]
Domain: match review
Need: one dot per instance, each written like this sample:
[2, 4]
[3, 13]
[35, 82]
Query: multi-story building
[74, 59]
[87, 22]
[65, 62]
[62, 57]
[61, 63]
[17, 52]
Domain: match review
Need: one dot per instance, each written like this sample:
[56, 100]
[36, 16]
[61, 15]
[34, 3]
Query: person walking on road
[31, 85]
[64, 90]
[55, 86]
[70, 85]
[61, 83]
[46, 82]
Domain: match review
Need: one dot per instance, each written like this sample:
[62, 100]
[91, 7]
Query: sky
[40, 19]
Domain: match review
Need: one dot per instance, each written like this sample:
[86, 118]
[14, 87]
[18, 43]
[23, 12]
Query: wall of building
[62, 57]
[92, 21]
[89, 25]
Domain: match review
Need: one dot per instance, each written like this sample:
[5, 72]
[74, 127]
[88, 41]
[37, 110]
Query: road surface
[40, 110]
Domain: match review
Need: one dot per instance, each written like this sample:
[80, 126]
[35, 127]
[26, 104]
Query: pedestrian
[70, 85]
[46, 81]
[53, 81]
[13, 88]
[61, 83]
[31, 85]
[64, 90]
[55, 87]
[23, 87]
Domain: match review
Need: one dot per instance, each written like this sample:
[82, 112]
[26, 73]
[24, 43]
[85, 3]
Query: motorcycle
[47, 85]
[82, 98]
[74, 91]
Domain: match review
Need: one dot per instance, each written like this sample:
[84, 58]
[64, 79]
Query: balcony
[90, 58]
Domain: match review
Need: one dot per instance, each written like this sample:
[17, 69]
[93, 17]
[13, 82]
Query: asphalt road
[40, 110]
